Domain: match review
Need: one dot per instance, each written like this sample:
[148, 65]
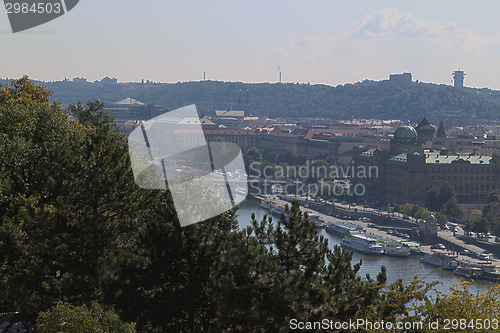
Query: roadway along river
[404, 268]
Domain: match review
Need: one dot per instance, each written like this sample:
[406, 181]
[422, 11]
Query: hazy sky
[330, 42]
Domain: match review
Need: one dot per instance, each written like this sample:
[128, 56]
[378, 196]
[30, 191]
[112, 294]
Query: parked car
[438, 246]
[483, 256]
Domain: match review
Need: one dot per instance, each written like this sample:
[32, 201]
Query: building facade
[406, 172]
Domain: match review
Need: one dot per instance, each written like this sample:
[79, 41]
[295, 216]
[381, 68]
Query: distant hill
[362, 100]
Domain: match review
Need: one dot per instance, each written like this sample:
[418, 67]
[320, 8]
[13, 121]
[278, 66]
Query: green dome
[405, 134]
[430, 217]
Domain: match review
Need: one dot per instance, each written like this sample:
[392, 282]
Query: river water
[404, 268]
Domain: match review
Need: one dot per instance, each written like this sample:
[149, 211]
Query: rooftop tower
[458, 78]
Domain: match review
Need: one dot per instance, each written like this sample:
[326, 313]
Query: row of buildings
[408, 170]
[410, 160]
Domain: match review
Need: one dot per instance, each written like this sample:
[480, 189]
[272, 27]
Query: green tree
[493, 197]
[452, 209]
[444, 200]
[420, 302]
[421, 213]
[252, 155]
[441, 218]
[298, 274]
[319, 169]
[68, 202]
[463, 307]
[269, 155]
[286, 156]
[446, 192]
[67, 318]
[23, 92]
[490, 219]
[432, 199]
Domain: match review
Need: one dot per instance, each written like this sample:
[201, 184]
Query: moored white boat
[490, 273]
[363, 244]
[469, 271]
[440, 259]
[277, 210]
[342, 229]
[396, 250]
[265, 205]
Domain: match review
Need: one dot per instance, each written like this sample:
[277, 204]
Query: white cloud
[388, 40]
[280, 54]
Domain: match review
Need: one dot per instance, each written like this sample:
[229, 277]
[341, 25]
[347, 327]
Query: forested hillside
[369, 100]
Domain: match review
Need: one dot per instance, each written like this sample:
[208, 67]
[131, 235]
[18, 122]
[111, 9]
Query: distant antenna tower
[458, 78]
[279, 70]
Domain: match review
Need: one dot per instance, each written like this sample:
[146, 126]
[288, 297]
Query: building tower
[405, 140]
[441, 133]
[425, 131]
[458, 78]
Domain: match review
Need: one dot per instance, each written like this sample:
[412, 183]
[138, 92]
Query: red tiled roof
[228, 131]
[313, 133]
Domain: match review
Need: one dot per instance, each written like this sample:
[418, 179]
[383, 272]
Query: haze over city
[326, 42]
[251, 166]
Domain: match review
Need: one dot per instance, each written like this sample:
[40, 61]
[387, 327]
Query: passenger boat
[265, 205]
[363, 244]
[490, 273]
[470, 271]
[341, 229]
[440, 259]
[277, 210]
[396, 250]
